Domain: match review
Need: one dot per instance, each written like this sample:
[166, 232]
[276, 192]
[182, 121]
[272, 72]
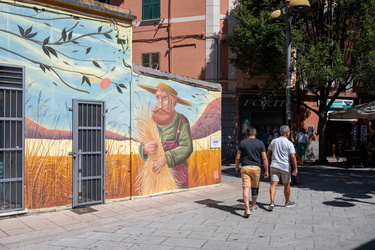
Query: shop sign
[262, 103]
[341, 103]
[215, 142]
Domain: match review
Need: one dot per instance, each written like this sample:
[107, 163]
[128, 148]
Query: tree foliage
[258, 45]
[336, 46]
[333, 43]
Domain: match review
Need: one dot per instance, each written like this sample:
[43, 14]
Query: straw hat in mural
[166, 88]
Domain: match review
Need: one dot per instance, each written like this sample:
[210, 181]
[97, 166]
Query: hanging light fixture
[276, 16]
[297, 5]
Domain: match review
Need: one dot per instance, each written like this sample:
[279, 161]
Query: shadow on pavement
[355, 185]
[368, 246]
[231, 209]
[215, 204]
[262, 206]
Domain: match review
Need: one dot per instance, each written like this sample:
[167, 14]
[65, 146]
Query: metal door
[88, 152]
[11, 138]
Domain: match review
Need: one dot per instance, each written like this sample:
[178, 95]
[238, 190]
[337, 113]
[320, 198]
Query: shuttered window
[150, 9]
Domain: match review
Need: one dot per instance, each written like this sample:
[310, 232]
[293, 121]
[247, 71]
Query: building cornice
[87, 7]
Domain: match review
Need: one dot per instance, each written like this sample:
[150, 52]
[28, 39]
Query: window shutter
[150, 9]
[145, 9]
[155, 9]
[145, 60]
[155, 60]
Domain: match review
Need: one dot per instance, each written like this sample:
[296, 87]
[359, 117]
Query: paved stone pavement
[334, 210]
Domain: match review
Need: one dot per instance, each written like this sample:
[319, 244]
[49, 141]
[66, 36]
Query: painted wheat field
[48, 179]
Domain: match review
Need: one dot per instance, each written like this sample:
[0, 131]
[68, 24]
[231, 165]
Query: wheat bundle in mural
[150, 182]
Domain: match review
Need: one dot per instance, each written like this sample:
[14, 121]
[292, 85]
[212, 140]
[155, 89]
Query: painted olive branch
[47, 67]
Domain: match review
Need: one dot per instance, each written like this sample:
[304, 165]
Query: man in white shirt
[282, 151]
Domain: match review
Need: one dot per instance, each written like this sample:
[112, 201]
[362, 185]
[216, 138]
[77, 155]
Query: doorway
[88, 152]
[265, 120]
[11, 138]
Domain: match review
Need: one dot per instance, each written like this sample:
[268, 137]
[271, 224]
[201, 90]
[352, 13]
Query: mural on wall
[165, 144]
[173, 153]
[157, 131]
[67, 56]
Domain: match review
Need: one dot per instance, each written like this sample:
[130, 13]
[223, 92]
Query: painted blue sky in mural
[68, 57]
[64, 57]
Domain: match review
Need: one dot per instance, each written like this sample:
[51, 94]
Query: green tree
[333, 43]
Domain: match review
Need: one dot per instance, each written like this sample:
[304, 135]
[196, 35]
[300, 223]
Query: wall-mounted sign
[262, 103]
[359, 84]
[215, 142]
[341, 103]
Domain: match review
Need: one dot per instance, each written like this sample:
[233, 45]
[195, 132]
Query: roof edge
[85, 7]
[141, 70]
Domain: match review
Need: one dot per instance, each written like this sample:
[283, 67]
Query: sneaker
[247, 214]
[271, 206]
[290, 204]
[252, 209]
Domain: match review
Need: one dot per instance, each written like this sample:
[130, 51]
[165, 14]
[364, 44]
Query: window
[150, 9]
[151, 60]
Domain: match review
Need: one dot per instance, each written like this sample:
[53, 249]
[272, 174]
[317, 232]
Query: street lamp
[285, 15]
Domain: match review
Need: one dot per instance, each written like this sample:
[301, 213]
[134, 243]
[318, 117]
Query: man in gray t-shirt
[282, 151]
[251, 153]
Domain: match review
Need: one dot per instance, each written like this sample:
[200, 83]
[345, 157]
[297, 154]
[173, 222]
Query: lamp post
[285, 15]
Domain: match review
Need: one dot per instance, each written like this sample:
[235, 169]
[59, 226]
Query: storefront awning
[342, 120]
[365, 111]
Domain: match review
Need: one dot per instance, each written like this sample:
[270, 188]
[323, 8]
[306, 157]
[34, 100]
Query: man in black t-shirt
[251, 153]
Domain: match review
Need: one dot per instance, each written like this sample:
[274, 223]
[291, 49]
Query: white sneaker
[247, 214]
[271, 206]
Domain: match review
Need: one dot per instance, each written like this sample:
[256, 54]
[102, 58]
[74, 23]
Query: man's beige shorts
[277, 174]
[250, 176]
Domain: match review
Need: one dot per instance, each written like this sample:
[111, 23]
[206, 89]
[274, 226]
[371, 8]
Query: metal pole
[288, 71]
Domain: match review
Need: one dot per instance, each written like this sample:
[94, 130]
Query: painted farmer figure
[174, 131]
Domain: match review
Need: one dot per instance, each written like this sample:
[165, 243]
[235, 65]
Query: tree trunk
[322, 125]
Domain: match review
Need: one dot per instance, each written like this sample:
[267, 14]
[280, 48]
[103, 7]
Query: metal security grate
[88, 163]
[11, 138]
